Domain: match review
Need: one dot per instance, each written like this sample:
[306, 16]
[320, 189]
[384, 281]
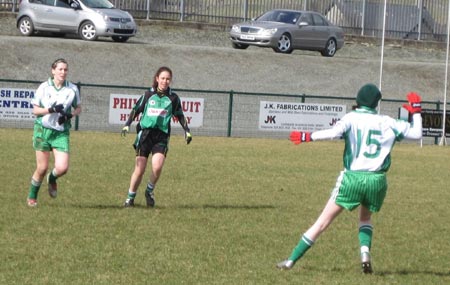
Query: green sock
[131, 195]
[52, 177]
[365, 235]
[34, 189]
[303, 246]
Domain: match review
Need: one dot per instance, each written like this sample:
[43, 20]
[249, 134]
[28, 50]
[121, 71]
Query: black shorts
[151, 141]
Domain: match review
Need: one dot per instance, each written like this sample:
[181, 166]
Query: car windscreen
[288, 17]
[101, 4]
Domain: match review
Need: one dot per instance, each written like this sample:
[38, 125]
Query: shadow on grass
[384, 273]
[226, 207]
[188, 207]
[400, 272]
[412, 272]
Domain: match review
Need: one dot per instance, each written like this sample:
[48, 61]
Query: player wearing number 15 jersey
[369, 138]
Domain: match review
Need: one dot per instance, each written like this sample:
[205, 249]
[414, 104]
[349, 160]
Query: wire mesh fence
[222, 113]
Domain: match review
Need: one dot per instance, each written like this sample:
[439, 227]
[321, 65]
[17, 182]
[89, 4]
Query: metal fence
[225, 113]
[405, 19]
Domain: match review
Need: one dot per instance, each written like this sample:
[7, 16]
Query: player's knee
[60, 171]
[40, 172]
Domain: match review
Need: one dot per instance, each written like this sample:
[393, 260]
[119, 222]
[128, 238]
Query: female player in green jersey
[369, 138]
[156, 107]
[52, 105]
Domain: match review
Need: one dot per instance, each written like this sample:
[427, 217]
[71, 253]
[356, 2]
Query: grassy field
[227, 210]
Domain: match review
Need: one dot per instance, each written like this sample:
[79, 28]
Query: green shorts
[354, 188]
[45, 139]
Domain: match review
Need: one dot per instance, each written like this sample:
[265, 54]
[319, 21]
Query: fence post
[148, 10]
[438, 107]
[77, 119]
[230, 113]
[181, 10]
[245, 10]
[419, 32]
[363, 18]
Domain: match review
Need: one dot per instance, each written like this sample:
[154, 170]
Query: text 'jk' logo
[270, 120]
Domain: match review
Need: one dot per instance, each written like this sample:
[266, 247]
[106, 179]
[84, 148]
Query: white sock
[364, 249]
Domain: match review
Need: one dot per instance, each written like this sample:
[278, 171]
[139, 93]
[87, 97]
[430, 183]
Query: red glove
[414, 105]
[298, 137]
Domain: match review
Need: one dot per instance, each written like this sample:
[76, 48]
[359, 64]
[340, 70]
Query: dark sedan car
[286, 30]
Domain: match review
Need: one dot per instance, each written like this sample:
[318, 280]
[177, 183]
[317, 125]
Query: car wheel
[239, 46]
[284, 44]
[26, 26]
[87, 31]
[330, 48]
[120, 39]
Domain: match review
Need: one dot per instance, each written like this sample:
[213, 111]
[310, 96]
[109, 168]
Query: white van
[89, 19]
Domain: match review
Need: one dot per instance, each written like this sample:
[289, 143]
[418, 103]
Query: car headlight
[268, 32]
[235, 28]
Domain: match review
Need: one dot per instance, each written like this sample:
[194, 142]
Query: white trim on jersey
[47, 96]
[369, 138]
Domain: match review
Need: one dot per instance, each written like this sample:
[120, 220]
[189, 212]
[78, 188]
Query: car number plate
[247, 37]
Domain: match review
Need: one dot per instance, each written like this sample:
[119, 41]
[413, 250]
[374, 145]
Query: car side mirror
[303, 24]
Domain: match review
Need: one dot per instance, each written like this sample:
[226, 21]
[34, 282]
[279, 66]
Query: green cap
[368, 96]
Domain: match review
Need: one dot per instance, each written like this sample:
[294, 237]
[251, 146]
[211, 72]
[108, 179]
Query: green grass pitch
[227, 210]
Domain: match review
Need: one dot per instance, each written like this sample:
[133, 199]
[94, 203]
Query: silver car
[89, 19]
[286, 30]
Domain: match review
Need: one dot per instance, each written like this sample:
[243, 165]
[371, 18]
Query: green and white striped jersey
[47, 95]
[369, 138]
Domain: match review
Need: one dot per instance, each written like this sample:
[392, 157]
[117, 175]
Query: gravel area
[202, 58]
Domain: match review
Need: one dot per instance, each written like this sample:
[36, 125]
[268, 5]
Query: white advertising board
[288, 116]
[15, 104]
[120, 106]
